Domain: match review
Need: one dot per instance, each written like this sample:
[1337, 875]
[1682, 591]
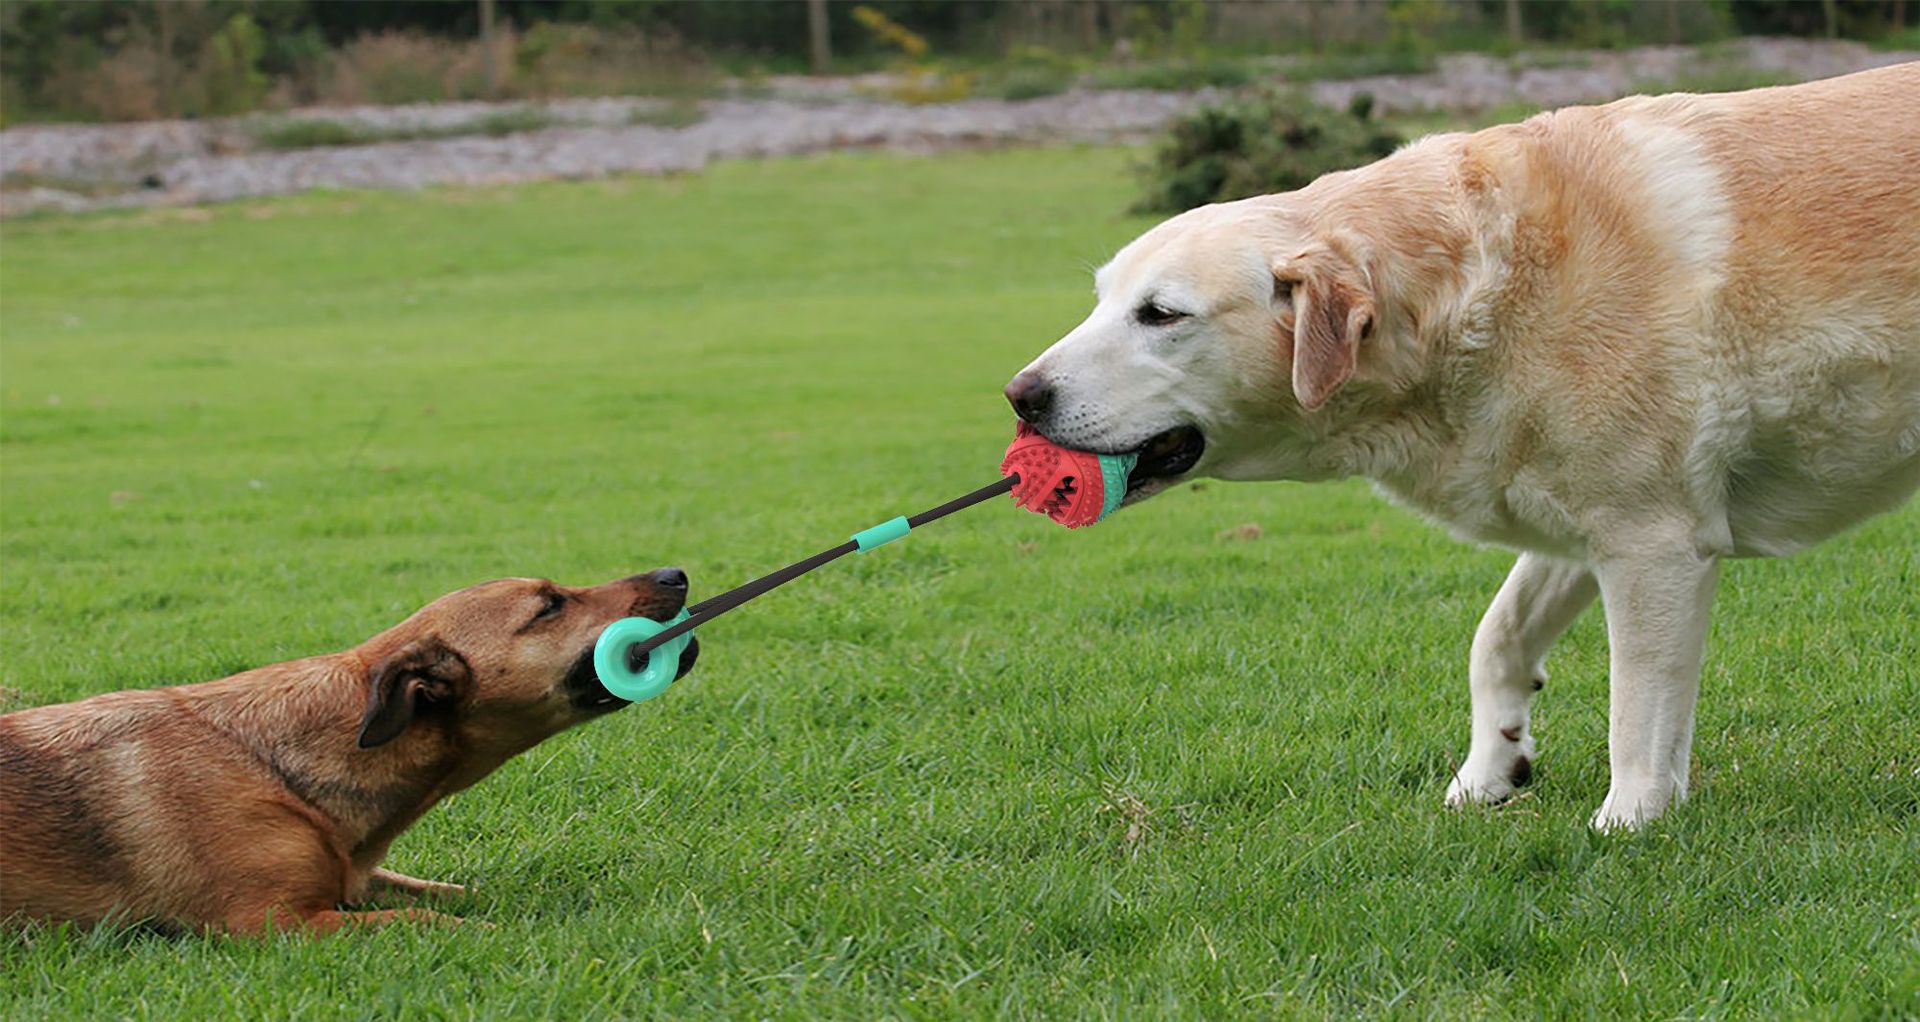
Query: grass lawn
[1167, 767]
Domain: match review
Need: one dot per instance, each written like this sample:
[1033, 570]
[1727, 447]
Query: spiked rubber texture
[1074, 488]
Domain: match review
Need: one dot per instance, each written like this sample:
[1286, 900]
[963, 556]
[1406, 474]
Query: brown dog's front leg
[388, 880]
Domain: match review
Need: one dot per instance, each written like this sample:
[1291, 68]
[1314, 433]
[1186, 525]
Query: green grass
[309, 133]
[1174, 75]
[1153, 770]
[1316, 67]
[679, 113]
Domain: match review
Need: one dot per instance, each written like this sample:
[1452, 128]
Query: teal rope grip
[1114, 469]
[643, 639]
[879, 535]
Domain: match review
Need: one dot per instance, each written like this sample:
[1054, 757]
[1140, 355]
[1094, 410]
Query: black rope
[706, 610]
[962, 503]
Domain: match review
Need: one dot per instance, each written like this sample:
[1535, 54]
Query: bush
[393, 67]
[230, 80]
[312, 133]
[1031, 83]
[308, 134]
[1175, 75]
[583, 60]
[1270, 141]
[122, 85]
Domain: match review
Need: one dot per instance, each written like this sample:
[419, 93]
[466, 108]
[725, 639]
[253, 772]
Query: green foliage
[1031, 71]
[677, 114]
[1030, 83]
[1723, 78]
[1159, 769]
[1175, 75]
[231, 79]
[1273, 140]
[1904, 39]
[1416, 26]
[308, 133]
[1176, 30]
[918, 77]
[1318, 67]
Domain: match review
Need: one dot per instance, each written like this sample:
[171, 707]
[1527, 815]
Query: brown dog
[270, 797]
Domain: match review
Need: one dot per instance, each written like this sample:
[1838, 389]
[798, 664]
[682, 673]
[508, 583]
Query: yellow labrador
[1627, 341]
[268, 799]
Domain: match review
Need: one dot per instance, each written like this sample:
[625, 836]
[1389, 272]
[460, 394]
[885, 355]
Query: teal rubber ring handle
[610, 657]
[885, 532]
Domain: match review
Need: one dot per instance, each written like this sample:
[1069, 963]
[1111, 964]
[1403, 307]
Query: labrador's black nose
[1030, 395]
[669, 578]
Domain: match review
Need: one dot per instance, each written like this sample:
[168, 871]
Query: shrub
[680, 113]
[391, 67]
[228, 73]
[1031, 83]
[1175, 75]
[123, 85]
[917, 79]
[1269, 141]
[583, 60]
[1030, 72]
[310, 133]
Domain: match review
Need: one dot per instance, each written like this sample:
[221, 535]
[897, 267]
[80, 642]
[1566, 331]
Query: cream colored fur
[1628, 341]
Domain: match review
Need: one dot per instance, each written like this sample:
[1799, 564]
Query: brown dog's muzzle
[658, 595]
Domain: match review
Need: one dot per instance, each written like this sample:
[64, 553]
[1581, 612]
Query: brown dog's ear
[1332, 312]
[423, 670]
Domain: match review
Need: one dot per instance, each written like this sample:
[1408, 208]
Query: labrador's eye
[1155, 314]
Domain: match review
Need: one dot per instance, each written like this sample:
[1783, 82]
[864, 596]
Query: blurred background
[651, 86]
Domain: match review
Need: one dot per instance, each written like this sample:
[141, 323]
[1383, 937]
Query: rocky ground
[82, 167]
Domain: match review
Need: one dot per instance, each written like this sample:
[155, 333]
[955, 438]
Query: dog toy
[1074, 488]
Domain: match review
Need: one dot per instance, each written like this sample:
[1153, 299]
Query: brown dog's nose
[668, 578]
[1030, 395]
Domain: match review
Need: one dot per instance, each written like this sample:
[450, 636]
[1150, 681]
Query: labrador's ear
[1332, 313]
[423, 671]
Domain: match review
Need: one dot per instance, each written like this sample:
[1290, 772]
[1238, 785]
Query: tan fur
[248, 802]
[1630, 340]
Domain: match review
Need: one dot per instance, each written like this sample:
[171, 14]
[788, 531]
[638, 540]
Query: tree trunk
[1831, 9]
[167, 104]
[489, 53]
[1516, 33]
[819, 44]
[1673, 22]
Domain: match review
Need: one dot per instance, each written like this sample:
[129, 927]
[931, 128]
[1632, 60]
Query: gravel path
[81, 167]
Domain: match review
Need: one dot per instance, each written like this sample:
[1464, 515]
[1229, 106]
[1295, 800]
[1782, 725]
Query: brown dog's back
[135, 804]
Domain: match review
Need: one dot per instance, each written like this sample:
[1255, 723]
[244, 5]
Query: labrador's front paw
[1628, 807]
[1490, 776]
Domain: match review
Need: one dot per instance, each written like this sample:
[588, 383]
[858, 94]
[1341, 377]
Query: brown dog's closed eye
[424, 671]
